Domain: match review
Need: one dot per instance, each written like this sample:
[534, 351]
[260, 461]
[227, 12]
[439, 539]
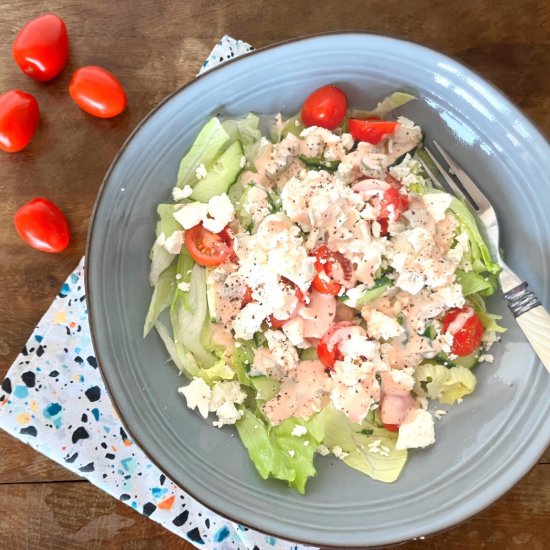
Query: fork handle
[533, 320]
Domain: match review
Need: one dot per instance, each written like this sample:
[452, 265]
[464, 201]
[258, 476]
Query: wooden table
[154, 47]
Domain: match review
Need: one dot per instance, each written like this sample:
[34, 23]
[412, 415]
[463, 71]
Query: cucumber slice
[467, 361]
[380, 286]
[221, 175]
[265, 387]
[309, 354]
[319, 163]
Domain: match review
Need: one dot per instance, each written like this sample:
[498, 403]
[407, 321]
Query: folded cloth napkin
[53, 398]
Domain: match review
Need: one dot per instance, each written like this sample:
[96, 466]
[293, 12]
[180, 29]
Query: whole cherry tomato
[207, 248]
[41, 224]
[41, 47]
[19, 115]
[98, 92]
[466, 328]
[371, 131]
[325, 107]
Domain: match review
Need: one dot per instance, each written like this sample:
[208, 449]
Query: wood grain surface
[154, 47]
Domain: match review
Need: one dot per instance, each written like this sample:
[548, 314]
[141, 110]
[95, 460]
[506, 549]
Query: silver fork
[530, 315]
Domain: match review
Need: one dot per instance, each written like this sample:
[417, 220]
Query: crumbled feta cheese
[249, 320]
[338, 452]
[306, 443]
[183, 193]
[191, 214]
[220, 212]
[437, 204]
[283, 351]
[403, 378]
[184, 287]
[294, 331]
[201, 172]
[486, 357]
[291, 453]
[299, 431]
[174, 242]
[379, 325]
[227, 414]
[215, 215]
[411, 282]
[451, 295]
[439, 414]
[322, 450]
[224, 396]
[242, 162]
[417, 433]
[197, 394]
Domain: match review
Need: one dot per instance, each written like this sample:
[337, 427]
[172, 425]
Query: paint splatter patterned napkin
[53, 398]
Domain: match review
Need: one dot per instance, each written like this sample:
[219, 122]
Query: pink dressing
[305, 392]
[318, 315]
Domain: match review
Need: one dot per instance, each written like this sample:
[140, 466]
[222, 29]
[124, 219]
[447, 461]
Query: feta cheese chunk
[299, 431]
[201, 172]
[180, 194]
[437, 204]
[380, 325]
[197, 394]
[417, 433]
[215, 215]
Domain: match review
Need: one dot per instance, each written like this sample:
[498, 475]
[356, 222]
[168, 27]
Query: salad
[318, 291]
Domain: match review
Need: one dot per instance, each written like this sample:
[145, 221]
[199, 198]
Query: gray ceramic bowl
[484, 446]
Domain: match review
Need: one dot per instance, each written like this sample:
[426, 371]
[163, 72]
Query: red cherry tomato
[371, 131]
[391, 427]
[466, 328]
[392, 204]
[207, 248]
[332, 269]
[19, 115]
[41, 224]
[247, 298]
[98, 92]
[41, 47]
[278, 323]
[325, 107]
[328, 350]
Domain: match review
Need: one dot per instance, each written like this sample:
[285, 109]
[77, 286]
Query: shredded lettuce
[182, 358]
[187, 325]
[354, 439]
[472, 283]
[210, 142]
[242, 359]
[478, 254]
[160, 258]
[489, 320]
[388, 104]
[276, 452]
[445, 384]
[247, 131]
[220, 370]
[163, 294]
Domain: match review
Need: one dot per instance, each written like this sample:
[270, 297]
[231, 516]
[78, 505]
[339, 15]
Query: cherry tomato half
[247, 298]
[371, 131]
[207, 248]
[466, 328]
[19, 116]
[41, 224]
[98, 92]
[278, 323]
[328, 350]
[392, 204]
[325, 107]
[41, 47]
[332, 270]
[391, 427]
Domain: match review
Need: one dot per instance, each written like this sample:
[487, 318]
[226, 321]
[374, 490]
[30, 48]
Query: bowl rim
[100, 195]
